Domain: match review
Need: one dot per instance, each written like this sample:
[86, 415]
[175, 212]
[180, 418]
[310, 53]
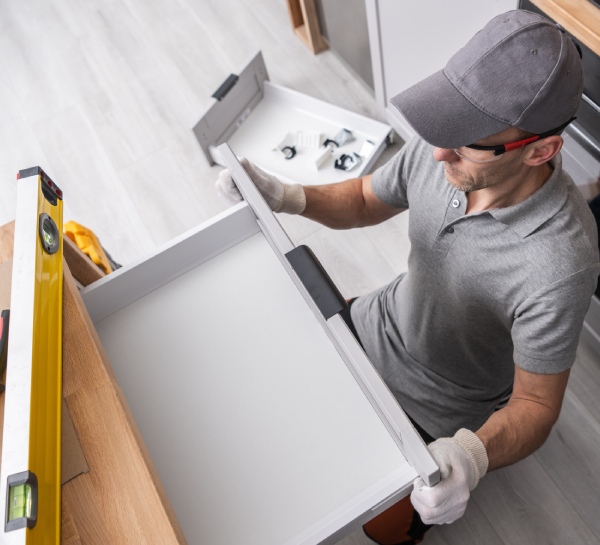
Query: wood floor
[103, 94]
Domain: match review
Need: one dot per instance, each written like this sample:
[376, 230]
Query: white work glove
[280, 197]
[463, 461]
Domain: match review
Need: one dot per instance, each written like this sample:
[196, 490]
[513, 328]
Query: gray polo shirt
[483, 292]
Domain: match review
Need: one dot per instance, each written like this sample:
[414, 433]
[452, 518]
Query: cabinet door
[412, 40]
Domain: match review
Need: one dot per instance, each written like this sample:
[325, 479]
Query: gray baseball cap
[520, 70]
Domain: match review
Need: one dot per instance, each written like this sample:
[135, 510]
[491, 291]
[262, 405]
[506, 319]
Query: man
[476, 340]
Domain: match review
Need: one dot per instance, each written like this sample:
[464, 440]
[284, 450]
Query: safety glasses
[488, 154]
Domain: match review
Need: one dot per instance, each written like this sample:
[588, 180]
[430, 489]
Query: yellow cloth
[88, 243]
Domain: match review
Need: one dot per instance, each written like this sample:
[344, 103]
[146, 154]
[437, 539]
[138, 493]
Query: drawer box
[253, 116]
[264, 419]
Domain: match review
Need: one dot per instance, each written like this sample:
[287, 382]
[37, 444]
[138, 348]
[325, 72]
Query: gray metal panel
[344, 26]
[591, 326]
[225, 116]
[372, 10]
[581, 162]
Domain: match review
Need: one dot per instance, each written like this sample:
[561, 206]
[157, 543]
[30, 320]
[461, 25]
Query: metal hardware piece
[289, 152]
[347, 161]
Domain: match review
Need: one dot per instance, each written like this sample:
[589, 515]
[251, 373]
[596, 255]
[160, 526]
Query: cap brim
[442, 116]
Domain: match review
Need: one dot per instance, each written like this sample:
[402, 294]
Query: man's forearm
[339, 206]
[520, 428]
[516, 431]
[346, 204]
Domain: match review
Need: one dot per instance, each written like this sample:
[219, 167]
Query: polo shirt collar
[525, 217]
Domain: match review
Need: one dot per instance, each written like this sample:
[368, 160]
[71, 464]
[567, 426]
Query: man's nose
[445, 154]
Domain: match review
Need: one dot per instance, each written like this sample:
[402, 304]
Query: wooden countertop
[579, 17]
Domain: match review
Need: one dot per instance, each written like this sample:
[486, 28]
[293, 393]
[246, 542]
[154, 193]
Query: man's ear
[541, 152]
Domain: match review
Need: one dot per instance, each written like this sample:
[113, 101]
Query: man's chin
[455, 181]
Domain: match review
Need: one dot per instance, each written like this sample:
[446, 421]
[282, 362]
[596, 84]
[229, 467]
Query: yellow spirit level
[31, 457]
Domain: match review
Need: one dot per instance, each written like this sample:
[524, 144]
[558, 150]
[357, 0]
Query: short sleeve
[390, 182]
[547, 325]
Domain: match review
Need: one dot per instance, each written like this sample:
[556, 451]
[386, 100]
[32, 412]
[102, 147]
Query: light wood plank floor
[103, 94]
